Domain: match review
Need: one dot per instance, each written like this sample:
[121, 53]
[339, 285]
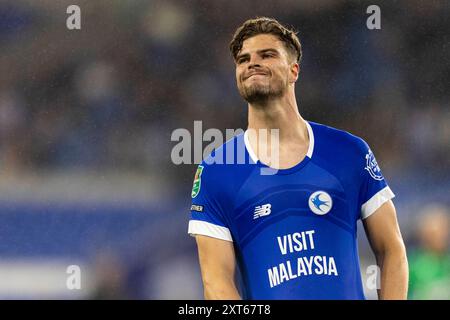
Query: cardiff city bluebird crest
[320, 202]
[372, 166]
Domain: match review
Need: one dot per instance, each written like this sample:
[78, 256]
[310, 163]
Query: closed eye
[268, 54]
[242, 60]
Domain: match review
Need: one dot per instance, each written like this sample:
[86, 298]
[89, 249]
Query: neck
[280, 113]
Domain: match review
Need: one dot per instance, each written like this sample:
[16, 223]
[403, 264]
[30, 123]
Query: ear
[294, 72]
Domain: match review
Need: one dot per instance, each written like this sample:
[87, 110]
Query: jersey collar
[255, 159]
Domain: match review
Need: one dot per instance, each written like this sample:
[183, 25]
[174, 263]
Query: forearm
[394, 274]
[221, 290]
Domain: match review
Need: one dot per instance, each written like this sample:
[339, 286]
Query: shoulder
[338, 142]
[341, 137]
[225, 157]
[342, 153]
[227, 164]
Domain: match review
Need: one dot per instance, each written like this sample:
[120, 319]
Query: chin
[257, 96]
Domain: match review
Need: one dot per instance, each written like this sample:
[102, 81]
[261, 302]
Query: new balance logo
[261, 211]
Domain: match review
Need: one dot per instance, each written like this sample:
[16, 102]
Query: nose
[254, 65]
[254, 62]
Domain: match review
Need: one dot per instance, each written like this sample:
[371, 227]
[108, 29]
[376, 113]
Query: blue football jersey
[293, 230]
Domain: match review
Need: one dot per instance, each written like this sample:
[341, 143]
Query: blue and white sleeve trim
[209, 229]
[376, 202]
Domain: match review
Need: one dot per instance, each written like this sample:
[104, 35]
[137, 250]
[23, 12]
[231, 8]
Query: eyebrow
[259, 52]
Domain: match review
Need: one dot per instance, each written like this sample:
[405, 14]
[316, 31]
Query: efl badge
[197, 182]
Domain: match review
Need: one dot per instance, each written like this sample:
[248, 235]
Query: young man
[291, 233]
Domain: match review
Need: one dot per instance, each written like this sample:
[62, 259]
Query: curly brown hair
[264, 25]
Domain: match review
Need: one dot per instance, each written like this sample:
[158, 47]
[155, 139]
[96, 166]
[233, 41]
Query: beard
[258, 92]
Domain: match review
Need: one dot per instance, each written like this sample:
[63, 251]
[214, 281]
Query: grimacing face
[264, 69]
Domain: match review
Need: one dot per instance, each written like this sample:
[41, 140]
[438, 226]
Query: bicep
[217, 258]
[382, 229]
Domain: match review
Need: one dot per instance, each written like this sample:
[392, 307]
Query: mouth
[255, 74]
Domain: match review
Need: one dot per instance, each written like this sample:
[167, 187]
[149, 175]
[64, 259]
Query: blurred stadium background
[86, 118]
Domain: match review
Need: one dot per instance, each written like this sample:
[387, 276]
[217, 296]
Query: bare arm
[386, 241]
[217, 264]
